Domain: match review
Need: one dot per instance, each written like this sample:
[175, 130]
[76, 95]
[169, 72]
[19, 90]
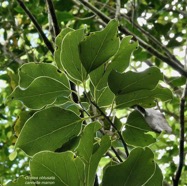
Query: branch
[181, 145]
[52, 13]
[114, 150]
[112, 124]
[142, 43]
[37, 26]
[148, 35]
[182, 128]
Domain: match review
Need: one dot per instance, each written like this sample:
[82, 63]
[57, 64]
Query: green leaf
[99, 47]
[121, 59]
[135, 131]
[90, 152]
[41, 92]
[104, 97]
[69, 55]
[48, 129]
[134, 81]
[22, 181]
[156, 179]
[58, 169]
[30, 71]
[58, 43]
[136, 170]
[145, 98]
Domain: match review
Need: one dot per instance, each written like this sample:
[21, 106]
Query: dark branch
[112, 124]
[116, 153]
[37, 26]
[142, 43]
[181, 145]
[52, 13]
[114, 150]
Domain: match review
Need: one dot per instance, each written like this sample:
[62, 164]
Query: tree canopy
[71, 74]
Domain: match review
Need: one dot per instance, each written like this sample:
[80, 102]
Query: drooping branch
[37, 26]
[170, 61]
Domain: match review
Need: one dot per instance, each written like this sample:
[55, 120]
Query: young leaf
[135, 131]
[58, 169]
[90, 152]
[136, 170]
[48, 129]
[98, 47]
[41, 92]
[121, 59]
[69, 56]
[134, 81]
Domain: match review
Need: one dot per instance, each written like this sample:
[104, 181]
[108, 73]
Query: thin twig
[116, 153]
[52, 13]
[118, 6]
[37, 26]
[112, 124]
[11, 55]
[114, 150]
[142, 43]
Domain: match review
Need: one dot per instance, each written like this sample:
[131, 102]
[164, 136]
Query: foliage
[67, 114]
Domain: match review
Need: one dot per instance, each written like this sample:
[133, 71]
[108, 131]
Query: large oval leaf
[136, 170]
[69, 55]
[48, 129]
[134, 81]
[30, 71]
[98, 47]
[58, 169]
[42, 91]
[136, 129]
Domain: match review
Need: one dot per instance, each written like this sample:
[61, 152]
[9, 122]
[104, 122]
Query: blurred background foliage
[161, 25]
